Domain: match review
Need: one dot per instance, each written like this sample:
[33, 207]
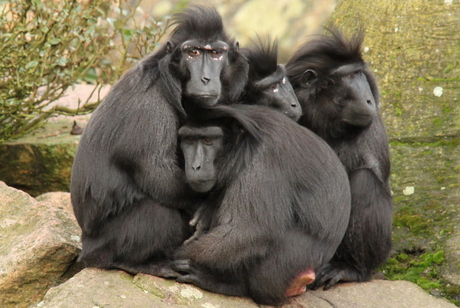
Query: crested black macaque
[340, 101]
[128, 192]
[268, 86]
[278, 201]
[267, 83]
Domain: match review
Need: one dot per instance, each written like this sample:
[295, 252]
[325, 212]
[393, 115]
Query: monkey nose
[205, 80]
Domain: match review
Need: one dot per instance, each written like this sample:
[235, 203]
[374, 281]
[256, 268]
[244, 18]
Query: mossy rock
[42, 160]
[413, 47]
[425, 184]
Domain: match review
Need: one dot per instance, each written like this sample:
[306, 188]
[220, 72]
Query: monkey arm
[368, 236]
[226, 247]
[371, 218]
[201, 220]
[254, 212]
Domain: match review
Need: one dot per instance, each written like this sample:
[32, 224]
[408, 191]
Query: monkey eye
[354, 74]
[207, 140]
[188, 140]
[275, 88]
[215, 53]
[194, 52]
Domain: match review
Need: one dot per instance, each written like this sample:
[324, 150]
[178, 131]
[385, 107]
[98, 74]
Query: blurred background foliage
[48, 46]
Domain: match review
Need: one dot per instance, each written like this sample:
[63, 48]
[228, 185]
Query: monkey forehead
[202, 131]
[276, 77]
[204, 45]
[348, 68]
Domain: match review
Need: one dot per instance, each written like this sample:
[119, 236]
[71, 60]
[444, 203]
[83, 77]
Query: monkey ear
[308, 77]
[236, 46]
[169, 47]
[237, 128]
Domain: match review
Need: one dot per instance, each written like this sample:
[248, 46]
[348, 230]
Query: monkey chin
[298, 286]
[202, 186]
[202, 100]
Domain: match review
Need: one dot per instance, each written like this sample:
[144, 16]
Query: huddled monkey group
[212, 164]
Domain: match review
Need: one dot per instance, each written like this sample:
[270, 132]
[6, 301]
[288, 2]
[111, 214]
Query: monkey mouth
[204, 100]
[202, 186]
[293, 115]
[202, 94]
[206, 96]
[361, 120]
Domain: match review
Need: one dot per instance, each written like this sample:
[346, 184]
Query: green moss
[40, 161]
[157, 292]
[423, 128]
[416, 223]
[438, 257]
[397, 107]
[421, 269]
[452, 291]
[438, 122]
[148, 285]
[425, 219]
[402, 258]
[446, 109]
[449, 142]
[443, 79]
[428, 284]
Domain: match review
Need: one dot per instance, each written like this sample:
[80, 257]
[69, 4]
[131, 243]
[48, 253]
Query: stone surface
[99, 288]
[38, 244]
[41, 161]
[412, 46]
[451, 270]
[425, 183]
[59, 199]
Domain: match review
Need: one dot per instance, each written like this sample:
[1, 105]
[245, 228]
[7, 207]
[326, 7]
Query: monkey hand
[188, 270]
[332, 273]
[201, 220]
[193, 237]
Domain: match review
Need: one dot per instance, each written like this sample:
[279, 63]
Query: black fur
[267, 82]
[325, 97]
[128, 192]
[280, 207]
[198, 22]
[262, 58]
[205, 24]
[324, 54]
